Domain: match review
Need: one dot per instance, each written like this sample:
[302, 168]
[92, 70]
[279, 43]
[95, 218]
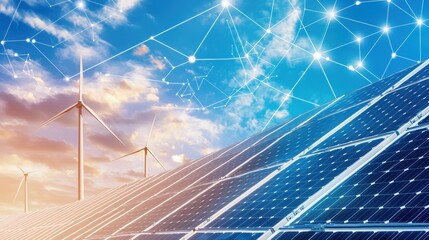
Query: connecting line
[327, 79]
[56, 4]
[287, 96]
[49, 60]
[52, 23]
[8, 59]
[167, 46]
[85, 29]
[11, 20]
[208, 32]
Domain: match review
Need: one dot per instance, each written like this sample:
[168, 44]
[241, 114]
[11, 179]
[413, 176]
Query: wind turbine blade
[58, 115]
[160, 163]
[150, 132]
[126, 155]
[34, 171]
[102, 123]
[19, 188]
[23, 172]
[81, 79]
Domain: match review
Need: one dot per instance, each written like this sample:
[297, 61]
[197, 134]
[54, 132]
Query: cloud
[157, 62]
[141, 50]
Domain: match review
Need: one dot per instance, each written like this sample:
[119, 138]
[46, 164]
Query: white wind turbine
[24, 180]
[146, 151]
[80, 105]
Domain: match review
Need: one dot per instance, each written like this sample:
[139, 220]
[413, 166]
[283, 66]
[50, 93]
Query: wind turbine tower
[24, 180]
[80, 105]
[146, 151]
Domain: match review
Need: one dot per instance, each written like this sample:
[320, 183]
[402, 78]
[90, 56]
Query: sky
[212, 72]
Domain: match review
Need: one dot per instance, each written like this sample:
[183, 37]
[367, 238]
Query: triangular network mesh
[355, 168]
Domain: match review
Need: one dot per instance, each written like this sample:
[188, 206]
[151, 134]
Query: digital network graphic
[214, 72]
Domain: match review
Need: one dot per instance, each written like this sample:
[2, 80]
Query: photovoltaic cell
[211, 201]
[379, 235]
[296, 142]
[388, 114]
[392, 188]
[226, 235]
[287, 190]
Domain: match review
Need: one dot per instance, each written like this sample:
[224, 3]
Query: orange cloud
[141, 50]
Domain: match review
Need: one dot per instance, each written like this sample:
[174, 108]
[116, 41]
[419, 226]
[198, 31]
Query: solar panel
[392, 188]
[226, 235]
[296, 141]
[422, 74]
[368, 92]
[287, 190]
[386, 115]
[368, 235]
[200, 208]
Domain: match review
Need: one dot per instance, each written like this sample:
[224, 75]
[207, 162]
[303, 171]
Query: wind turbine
[80, 105]
[24, 180]
[146, 151]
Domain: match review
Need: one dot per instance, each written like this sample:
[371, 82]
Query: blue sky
[214, 72]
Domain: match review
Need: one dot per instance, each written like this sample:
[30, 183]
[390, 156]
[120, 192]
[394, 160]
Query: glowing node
[351, 68]
[192, 59]
[247, 55]
[151, 38]
[357, 3]
[389, 1]
[386, 29]
[317, 55]
[27, 40]
[121, 10]
[15, 54]
[225, 3]
[2, 42]
[67, 79]
[332, 14]
[328, 59]
[360, 64]
[80, 5]
[393, 55]
[419, 22]
[15, 76]
[268, 30]
[33, 41]
[358, 39]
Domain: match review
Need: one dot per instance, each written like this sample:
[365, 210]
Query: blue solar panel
[226, 235]
[295, 142]
[201, 208]
[349, 235]
[422, 74]
[287, 190]
[367, 93]
[388, 114]
[392, 188]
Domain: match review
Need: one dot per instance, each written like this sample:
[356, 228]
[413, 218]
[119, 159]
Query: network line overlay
[353, 168]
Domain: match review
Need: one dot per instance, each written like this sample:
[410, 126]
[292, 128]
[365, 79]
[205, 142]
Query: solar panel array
[354, 168]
